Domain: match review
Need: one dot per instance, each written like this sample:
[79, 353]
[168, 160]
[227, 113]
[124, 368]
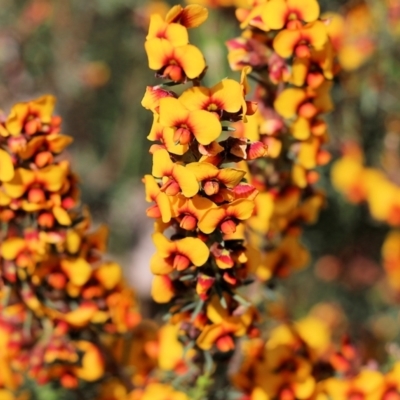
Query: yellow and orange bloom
[178, 254]
[176, 63]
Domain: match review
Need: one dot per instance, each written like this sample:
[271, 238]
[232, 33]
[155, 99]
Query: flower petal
[6, 166]
[194, 249]
[274, 14]
[229, 94]
[186, 180]
[288, 101]
[191, 59]
[205, 126]
[159, 51]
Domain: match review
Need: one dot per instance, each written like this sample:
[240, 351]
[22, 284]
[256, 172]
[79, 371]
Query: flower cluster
[59, 294]
[200, 196]
[299, 361]
[288, 49]
[362, 184]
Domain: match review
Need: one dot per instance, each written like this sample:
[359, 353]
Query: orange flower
[175, 177]
[162, 208]
[226, 217]
[199, 124]
[224, 96]
[224, 326]
[191, 16]
[188, 212]
[177, 254]
[175, 63]
[297, 39]
[213, 178]
[277, 13]
[176, 34]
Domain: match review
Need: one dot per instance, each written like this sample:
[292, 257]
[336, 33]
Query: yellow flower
[202, 125]
[277, 13]
[178, 254]
[175, 63]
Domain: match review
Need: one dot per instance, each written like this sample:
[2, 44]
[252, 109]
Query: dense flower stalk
[60, 296]
[289, 50]
[200, 196]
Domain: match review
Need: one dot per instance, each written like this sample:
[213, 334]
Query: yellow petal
[16, 187]
[172, 112]
[11, 247]
[301, 128]
[195, 98]
[109, 274]
[186, 180]
[211, 220]
[16, 118]
[57, 143]
[229, 94]
[164, 246]
[159, 51]
[231, 177]
[6, 166]
[81, 316]
[285, 42]
[203, 170]
[191, 16]
[78, 270]
[205, 126]
[176, 34]
[195, 249]
[162, 164]
[62, 216]
[162, 290]
[170, 348]
[52, 177]
[288, 101]
[160, 265]
[274, 14]
[191, 59]
[307, 10]
[92, 362]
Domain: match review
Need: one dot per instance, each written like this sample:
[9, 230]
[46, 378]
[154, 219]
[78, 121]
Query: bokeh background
[90, 55]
